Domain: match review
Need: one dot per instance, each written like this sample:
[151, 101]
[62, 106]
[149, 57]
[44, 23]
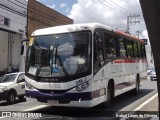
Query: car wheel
[11, 98]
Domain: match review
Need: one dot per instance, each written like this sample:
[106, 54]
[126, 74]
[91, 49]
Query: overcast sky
[112, 13]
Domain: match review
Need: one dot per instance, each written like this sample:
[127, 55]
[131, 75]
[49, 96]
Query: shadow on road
[6, 104]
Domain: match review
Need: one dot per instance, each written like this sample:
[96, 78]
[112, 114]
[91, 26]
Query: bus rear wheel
[136, 89]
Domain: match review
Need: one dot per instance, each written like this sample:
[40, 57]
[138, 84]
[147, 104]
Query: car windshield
[59, 55]
[7, 78]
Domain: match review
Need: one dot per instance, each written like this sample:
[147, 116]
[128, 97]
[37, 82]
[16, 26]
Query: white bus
[83, 65]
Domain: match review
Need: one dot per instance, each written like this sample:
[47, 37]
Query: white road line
[35, 108]
[146, 102]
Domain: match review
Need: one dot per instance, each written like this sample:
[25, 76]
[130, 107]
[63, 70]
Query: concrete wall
[14, 12]
[16, 48]
[3, 50]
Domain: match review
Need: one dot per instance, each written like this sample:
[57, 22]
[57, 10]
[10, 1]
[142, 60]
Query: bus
[83, 65]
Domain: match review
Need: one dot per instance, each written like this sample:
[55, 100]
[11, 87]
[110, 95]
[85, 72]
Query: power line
[12, 10]
[122, 8]
[17, 4]
[9, 6]
[12, 20]
[44, 14]
[112, 7]
[119, 8]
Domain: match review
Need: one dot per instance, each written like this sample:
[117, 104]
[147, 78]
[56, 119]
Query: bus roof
[70, 28]
[127, 35]
[79, 27]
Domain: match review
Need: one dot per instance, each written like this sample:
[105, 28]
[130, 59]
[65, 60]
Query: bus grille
[54, 91]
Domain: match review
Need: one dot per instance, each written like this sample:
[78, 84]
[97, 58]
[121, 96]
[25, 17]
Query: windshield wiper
[60, 62]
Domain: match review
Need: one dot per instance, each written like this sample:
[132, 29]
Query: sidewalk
[151, 106]
[150, 109]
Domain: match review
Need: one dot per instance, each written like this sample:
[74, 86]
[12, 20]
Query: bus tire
[110, 95]
[136, 89]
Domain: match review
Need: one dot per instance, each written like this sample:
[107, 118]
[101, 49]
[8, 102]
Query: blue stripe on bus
[65, 96]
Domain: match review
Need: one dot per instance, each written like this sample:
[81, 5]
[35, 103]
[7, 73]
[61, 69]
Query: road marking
[35, 108]
[146, 102]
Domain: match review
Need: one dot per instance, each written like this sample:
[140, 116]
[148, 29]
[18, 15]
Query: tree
[151, 13]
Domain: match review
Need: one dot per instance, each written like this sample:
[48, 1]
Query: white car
[149, 70]
[11, 86]
[153, 75]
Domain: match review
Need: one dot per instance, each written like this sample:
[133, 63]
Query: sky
[112, 13]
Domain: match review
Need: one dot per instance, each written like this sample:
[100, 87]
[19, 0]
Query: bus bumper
[82, 99]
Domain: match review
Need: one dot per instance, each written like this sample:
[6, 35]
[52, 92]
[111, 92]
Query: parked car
[11, 86]
[149, 69]
[153, 76]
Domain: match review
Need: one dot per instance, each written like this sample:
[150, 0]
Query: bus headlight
[29, 86]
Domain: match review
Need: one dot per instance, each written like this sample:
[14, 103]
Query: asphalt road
[51, 112]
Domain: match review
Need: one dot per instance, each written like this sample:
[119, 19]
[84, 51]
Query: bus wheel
[110, 96]
[136, 89]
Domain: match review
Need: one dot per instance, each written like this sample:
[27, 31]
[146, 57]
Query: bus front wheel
[110, 95]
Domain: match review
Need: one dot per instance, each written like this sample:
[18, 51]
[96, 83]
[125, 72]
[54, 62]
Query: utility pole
[132, 19]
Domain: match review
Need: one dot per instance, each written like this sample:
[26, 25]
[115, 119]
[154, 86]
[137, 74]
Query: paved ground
[151, 106]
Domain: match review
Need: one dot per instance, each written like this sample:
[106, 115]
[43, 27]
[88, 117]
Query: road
[124, 102]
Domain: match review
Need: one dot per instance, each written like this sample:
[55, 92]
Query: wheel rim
[12, 98]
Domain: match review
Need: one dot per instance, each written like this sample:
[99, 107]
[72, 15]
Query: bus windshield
[59, 55]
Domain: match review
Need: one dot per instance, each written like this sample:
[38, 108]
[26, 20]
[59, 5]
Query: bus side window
[144, 51]
[130, 51]
[110, 45]
[140, 50]
[135, 45]
[122, 47]
[98, 52]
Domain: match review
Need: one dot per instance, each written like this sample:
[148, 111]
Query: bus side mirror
[22, 45]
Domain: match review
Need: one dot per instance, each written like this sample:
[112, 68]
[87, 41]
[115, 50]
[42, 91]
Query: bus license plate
[52, 101]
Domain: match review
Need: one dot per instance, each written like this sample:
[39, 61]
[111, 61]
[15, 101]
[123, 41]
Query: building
[13, 19]
[41, 16]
